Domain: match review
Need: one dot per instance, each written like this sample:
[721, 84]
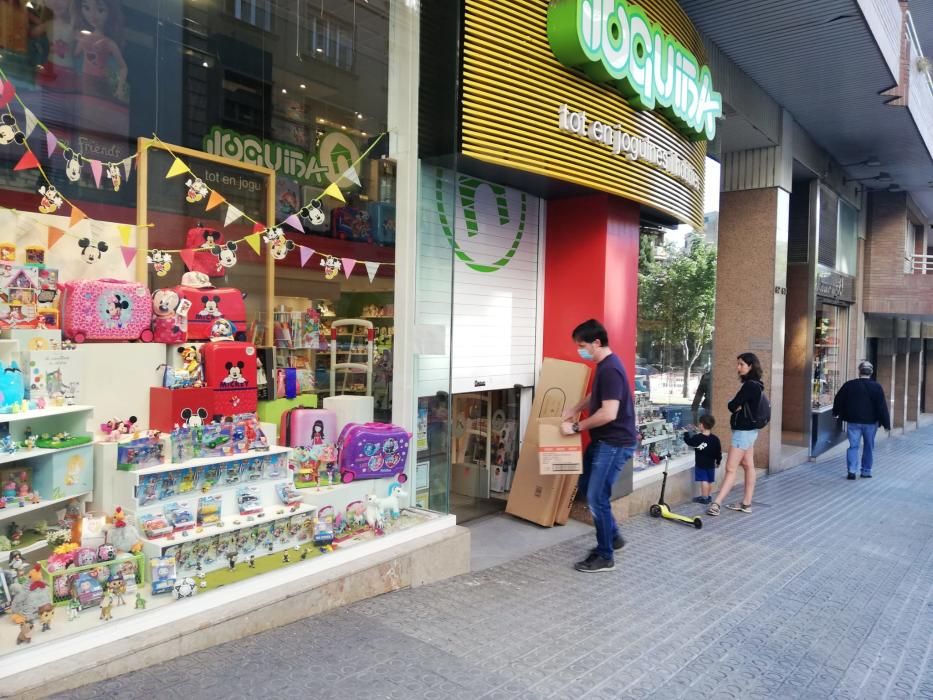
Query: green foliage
[677, 297]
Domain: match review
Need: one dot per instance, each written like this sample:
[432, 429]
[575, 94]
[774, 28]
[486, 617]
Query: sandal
[741, 507]
[713, 509]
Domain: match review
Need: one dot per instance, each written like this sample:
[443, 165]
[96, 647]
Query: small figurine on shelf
[7, 446]
[140, 601]
[285, 558]
[74, 608]
[29, 440]
[25, 633]
[106, 605]
[191, 363]
[117, 587]
[46, 615]
[17, 563]
[252, 561]
[15, 533]
[231, 559]
[374, 514]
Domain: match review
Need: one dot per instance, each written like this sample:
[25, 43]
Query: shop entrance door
[485, 441]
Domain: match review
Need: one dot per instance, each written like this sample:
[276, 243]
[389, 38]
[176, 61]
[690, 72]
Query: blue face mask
[585, 354]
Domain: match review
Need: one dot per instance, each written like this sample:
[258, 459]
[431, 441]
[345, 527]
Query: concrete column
[928, 372]
[900, 391]
[750, 304]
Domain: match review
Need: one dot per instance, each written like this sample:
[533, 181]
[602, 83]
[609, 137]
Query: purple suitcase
[372, 451]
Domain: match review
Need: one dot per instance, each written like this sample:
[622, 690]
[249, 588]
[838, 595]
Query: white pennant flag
[232, 215]
[128, 167]
[371, 269]
[350, 174]
[31, 122]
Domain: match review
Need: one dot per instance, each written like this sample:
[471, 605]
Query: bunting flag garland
[216, 199]
[27, 162]
[128, 167]
[50, 142]
[232, 214]
[295, 222]
[125, 232]
[305, 253]
[258, 227]
[96, 168]
[7, 91]
[128, 254]
[334, 191]
[187, 257]
[31, 122]
[350, 174]
[348, 265]
[178, 167]
[55, 235]
[254, 241]
[77, 216]
[371, 269]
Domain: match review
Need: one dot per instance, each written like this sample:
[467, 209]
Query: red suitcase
[208, 306]
[229, 365]
[171, 407]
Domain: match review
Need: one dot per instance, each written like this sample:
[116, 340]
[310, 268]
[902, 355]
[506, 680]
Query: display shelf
[22, 455]
[33, 543]
[155, 546]
[42, 413]
[13, 511]
[657, 438]
[208, 461]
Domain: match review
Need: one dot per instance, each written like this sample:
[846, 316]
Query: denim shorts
[744, 439]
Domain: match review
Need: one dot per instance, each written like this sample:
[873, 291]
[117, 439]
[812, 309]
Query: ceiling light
[284, 91]
[343, 127]
[206, 64]
[359, 116]
[319, 50]
[302, 86]
[30, 5]
[86, 32]
[365, 134]
[883, 177]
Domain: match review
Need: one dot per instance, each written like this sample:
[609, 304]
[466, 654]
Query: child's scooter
[662, 510]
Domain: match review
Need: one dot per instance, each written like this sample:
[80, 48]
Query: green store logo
[468, 189]
[614, 42]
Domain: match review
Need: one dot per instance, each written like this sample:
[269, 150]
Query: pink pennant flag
[348, 265]
[305, 254]
[51, 142]
[128, 254]
[96, 169]
[295, 223]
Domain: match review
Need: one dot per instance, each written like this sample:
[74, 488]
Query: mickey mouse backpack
[199, 258]
[214, 311]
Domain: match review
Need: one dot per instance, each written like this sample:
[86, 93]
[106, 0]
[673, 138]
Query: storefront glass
[829, 353]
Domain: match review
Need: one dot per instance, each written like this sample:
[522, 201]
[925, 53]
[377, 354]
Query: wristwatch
[576, 427]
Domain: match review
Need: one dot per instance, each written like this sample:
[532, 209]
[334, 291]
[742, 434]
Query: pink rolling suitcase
[106, 310]
[306, 427]
[372, 451]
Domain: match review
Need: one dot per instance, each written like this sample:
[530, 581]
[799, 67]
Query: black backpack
[760, 415]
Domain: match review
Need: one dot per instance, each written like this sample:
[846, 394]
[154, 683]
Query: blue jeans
[858, 432]
[602, 464]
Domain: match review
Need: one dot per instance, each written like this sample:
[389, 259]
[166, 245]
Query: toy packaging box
[54, 374]
[171, 407]
[28, 297]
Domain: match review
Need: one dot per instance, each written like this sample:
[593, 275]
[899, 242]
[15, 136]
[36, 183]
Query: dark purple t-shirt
[611, 384]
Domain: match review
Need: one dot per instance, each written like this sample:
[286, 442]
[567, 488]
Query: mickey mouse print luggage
[106, 310]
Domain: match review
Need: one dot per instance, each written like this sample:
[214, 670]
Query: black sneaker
[594, 564]
[618, 542]
[851, 476]
[866, 476]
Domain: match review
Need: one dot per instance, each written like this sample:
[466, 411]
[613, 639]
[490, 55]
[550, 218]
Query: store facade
[550, 137]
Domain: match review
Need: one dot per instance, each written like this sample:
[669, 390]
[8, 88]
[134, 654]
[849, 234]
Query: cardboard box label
[558, 453]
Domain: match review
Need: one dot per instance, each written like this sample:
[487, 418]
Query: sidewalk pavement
[824, 591]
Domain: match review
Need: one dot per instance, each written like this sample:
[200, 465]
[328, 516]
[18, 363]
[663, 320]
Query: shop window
[330, 41]
[255, 12]
[829, 354]
[847, 247]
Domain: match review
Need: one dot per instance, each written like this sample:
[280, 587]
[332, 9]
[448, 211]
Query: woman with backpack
[748, 408]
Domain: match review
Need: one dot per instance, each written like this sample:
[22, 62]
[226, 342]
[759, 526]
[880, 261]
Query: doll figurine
[102, 65]
[74, 607]
[46, 614]
[140, 602]
[25, 633]
[106, 605]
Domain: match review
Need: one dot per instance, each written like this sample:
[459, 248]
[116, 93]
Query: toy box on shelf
[30, 297]
[121, 572]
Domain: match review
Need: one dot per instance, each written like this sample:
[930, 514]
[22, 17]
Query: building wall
[797, 370]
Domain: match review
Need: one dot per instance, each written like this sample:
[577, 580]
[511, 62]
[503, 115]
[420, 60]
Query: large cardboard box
[558, 453]
[534, 496]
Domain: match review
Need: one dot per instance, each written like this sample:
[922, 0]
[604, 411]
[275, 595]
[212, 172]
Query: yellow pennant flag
[177, 169]
[216, 199]
[125, 231]
[334, 191]
[253, 241]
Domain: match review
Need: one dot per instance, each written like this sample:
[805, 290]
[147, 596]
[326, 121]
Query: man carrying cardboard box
[613, 439]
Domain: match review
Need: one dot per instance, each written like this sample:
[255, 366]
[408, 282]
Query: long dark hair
[751, 359]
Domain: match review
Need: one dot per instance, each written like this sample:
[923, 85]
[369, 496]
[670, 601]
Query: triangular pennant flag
[334, 191]
[55, 235]
[371, 269]
[187, 256]
[305, 253]
[125, 231]
[27, 162]
[177, 169]
[232, 215]
[295, 222]
[96, 169]
[128, 167]
[348, 265]
[77, 216]
[350, 174]
[254, 241]
[259, 228]
[31, 122]
[128, 254]
[51, 141]
[216, 199]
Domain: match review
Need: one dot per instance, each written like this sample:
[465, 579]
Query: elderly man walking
[862, 405]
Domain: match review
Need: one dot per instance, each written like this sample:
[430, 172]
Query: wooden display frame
[142, 209]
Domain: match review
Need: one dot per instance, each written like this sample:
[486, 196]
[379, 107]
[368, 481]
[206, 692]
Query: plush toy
[122, 535]
[374, 514]
[191, 362]
[29, 598]
[390, 504]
